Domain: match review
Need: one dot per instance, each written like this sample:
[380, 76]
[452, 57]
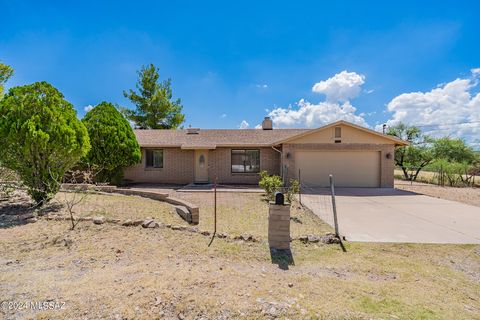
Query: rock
[272, 312]
[205, 233]
[137, 222]
[99, 220]
[184, 213]
[31, 220]
[247, 237]
[127, 223]
[180, 228]
[303, 238]
[221, 235]
[181, 316]
[290, 285]
[330, 238]
[312, 238]
[150, 224]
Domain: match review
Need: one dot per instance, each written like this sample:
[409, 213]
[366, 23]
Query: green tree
[416, 156]
[41, 137]
[114, 145]
[155, 108]
[5, 73]
[454, 150]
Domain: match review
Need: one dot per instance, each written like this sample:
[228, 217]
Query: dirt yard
[465, 195]
[109, 271]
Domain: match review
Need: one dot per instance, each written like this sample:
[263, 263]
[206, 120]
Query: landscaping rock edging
[149, 223]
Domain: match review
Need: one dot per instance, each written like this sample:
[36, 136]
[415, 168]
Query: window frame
[244, 162]
[153, 164]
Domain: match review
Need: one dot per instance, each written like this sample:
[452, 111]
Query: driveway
[392, 215]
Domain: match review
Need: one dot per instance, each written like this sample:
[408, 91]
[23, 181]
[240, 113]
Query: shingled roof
[212, 138]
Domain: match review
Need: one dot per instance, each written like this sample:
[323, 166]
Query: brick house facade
[357, 156]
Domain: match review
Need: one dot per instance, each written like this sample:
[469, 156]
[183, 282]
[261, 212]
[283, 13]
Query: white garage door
[349, 168]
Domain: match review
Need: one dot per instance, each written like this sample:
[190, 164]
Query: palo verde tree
[114, 145]
[41, 137]
[414, 157]
[155, 108]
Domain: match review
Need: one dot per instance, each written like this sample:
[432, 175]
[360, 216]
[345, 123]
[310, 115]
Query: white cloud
[315, 115]
[475, 71]
[338, 89]
[88, 108]
[223, 115]
[243, 125]
[341, 87]
[262, 86]
[438, 112]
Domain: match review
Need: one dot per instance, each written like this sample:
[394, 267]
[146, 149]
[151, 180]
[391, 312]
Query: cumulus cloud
[243, 125]
[449, 109]
[312, 115]
[338, 90]
[262, 86]
[341, 87]
[88, 108]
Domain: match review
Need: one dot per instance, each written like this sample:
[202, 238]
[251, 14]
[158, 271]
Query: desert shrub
[270, 183]
[41, 137]
[114, 145]
[293, 189]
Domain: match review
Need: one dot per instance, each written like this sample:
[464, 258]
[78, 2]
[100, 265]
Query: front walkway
[392, 215]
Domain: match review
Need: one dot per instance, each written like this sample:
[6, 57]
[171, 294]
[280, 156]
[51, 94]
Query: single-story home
[356, 156]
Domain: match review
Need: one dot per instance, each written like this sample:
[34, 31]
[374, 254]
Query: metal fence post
[214, 210]
[335, 221]
[299, 187]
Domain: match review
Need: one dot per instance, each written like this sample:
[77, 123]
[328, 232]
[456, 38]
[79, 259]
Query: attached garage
[349, 168]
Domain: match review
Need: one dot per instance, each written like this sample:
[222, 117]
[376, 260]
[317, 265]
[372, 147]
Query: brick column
[279, 226]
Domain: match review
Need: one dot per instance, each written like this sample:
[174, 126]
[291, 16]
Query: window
[154, 158]
[338, 132]
[245, 161]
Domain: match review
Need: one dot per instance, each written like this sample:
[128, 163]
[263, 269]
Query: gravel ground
[469, 196]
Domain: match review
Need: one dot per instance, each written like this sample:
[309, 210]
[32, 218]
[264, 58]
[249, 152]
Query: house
[356, 156]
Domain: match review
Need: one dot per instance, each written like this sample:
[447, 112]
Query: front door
[201, 166]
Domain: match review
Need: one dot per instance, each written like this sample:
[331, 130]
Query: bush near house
[273, 183]
[41, 137]
[114, 145]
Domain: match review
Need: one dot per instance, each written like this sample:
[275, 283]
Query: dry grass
[247, 213]
[120, 207]
[469, 196]
[109, 271]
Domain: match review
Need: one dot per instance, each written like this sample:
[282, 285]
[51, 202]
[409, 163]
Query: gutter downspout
[281, 163]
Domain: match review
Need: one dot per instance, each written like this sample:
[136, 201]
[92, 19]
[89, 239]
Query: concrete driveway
[392, 215]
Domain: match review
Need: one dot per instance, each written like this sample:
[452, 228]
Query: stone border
[149, 223]
[193, 210]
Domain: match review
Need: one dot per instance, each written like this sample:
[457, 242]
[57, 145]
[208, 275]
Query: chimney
[191, 130]
[267, 124]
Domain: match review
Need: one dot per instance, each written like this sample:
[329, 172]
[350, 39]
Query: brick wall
[177, 168]
[219, 161]
[386, 165]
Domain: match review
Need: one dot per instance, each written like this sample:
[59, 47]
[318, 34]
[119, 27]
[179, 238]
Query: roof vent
[267, 124]
[193, 130]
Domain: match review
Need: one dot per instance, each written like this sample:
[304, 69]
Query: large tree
[416, 156]
[114, 145]
[155, 107]
[5, 73]
[41, 137]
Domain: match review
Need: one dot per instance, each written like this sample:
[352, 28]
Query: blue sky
[241, 59]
